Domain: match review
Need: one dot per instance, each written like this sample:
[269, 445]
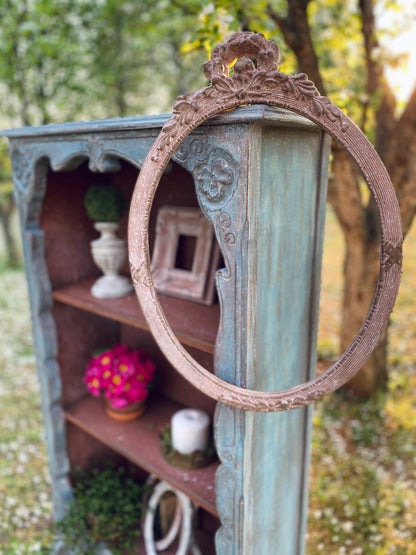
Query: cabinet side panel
[286, 196]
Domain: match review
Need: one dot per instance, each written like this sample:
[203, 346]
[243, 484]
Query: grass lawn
[363, 475]
[25, 507]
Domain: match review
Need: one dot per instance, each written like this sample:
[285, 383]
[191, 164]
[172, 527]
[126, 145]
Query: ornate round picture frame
[263, 83]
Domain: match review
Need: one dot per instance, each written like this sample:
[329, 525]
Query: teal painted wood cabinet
[255, 499]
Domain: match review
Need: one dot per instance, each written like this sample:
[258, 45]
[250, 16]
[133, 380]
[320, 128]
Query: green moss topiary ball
[104, 203]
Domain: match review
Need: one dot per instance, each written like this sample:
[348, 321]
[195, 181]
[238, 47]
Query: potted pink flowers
[123, 376]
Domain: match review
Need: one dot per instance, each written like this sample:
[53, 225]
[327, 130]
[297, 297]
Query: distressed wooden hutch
[260, 492]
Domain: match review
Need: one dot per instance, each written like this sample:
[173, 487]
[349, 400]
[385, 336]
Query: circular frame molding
[263, 84]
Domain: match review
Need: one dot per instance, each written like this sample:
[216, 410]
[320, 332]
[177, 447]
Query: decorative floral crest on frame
[255, 83]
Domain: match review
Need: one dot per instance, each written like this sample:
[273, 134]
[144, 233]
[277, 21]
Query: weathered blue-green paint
[45, 342]
[270, 234]
[229, 218]
[286, 200]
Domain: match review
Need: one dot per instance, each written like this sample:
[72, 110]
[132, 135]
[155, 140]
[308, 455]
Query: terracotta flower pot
[131, 412]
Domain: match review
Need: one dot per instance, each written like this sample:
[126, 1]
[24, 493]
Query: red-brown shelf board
[194, 324]
[138, 441]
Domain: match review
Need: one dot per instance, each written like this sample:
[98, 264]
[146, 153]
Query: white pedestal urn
[109, 254]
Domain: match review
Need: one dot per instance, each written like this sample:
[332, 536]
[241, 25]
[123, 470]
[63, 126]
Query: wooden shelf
[195, 325]
[138, 441]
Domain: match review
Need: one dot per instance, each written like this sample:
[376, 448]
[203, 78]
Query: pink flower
[126, 365]
[119, 403]
[93, 383]
[148, 370]
[135, 389]
[105, 359]
[121, 374]
[106, 377]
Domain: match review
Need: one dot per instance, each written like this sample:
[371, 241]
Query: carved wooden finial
[242, 46]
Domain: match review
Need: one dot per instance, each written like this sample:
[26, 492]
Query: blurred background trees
[7, 208]
[64, 60]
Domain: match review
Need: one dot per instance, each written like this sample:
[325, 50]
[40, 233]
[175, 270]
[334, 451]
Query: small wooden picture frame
[186, 255]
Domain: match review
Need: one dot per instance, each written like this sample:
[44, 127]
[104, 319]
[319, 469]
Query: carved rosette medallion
[216, 179]
[216, 174]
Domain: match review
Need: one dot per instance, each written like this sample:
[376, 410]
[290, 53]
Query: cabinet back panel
[68, 231]
[79, 334]
[84, 450]
[170, 382]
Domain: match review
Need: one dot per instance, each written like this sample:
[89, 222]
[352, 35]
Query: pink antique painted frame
[264, 84]
[197, 283]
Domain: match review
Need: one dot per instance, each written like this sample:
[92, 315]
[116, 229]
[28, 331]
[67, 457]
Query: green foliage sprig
[107, 507]
[104, 203]
[190, 461]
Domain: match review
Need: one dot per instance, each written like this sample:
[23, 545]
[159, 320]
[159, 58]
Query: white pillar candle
[190, 431]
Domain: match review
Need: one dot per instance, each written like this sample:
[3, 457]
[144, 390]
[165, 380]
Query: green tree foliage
[64, 60]
[7, 208]
[73, 59]
[136, 61]
[41, 60]
[337, 39]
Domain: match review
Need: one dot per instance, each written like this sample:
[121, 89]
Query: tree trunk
[361, 266]
[297, 35]
[396, 144]
[361, 269]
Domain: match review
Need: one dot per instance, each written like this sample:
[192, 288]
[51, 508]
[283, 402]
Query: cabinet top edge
[243, 114]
